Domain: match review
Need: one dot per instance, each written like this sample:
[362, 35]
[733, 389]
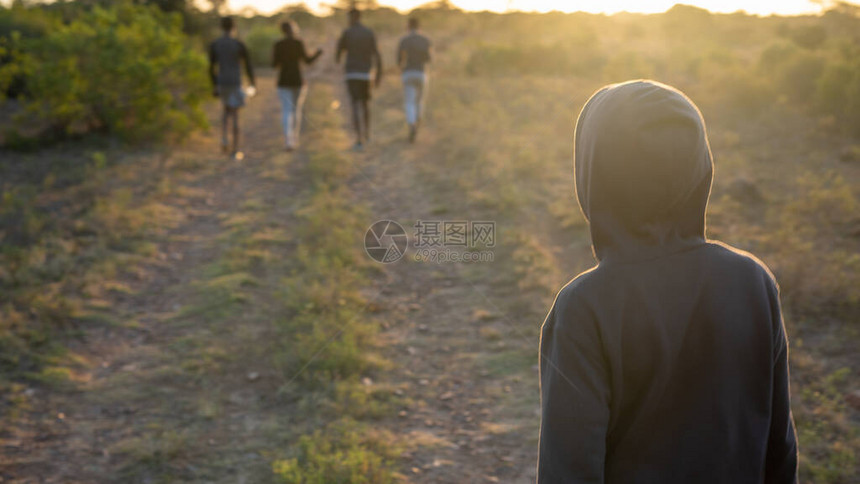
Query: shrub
[682, 21]
[127, 69]
[798, 77]
[793, 71]
[260, 40]
[837, 92]
[814, 260]
[775, 55]
[11, 67]
[808, 36]
[18, 23]
[628, 65]
[560, 58]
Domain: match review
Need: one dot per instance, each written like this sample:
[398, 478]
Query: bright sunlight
[763, 7]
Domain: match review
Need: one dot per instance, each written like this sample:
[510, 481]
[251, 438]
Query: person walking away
[287, 56]
[226, 55]
[668, 361]
[359, 44]
[413, 53]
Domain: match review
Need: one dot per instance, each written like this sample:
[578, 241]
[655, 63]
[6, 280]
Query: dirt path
[457, 353]
[177, 392]
[184, 389]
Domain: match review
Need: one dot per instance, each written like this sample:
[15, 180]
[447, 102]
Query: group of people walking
[362, 71]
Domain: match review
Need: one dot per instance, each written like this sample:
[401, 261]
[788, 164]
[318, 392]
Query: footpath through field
[184, 387]
[179, 386]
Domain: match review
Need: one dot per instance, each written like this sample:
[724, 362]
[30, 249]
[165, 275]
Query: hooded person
[668, 361]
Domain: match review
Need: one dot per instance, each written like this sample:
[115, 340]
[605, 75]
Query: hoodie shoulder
[571, 298]
[742, 260]
[579, 283]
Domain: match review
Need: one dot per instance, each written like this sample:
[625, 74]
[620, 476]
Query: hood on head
[643, 170]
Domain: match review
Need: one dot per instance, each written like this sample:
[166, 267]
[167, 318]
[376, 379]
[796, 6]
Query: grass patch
[344, 452]
[328, 337]
[509, 362]
[68, 236]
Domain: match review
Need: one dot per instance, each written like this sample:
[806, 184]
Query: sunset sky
[763, 7]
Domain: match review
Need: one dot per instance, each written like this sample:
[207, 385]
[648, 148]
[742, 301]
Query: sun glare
[763, 7]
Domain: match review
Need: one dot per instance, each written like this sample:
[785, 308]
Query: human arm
[401, 56]
[575, 396]
[781, 456]
[341, 47]
[378, 62]
[276, 58]
[213, 72]
[249, 68]
[428, 54]
[309, 59]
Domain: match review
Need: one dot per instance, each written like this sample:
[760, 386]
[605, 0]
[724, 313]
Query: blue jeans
[292, 99]
[414, 84]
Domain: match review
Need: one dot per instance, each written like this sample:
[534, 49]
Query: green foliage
[260, 40]
[28, 22]
[797, 77]
[683, 21]
[57, 256]
[345, 453]
[126, 69]
[806, 36]
[837, 92]
[323, 298]
[810, 228]
[328, 337]
[743, 67]
[532, 59]
[827, 440]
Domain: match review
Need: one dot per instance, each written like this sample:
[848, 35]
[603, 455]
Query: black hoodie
[667, 362]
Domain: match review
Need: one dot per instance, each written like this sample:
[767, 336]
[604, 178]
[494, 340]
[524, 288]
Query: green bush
[775, 55]
[127, 69]
[537, 59]
[29, 22]
[798, 77]
[808, 36]
[837, 92]
[18, 23]
[260, 40]
[793, 71]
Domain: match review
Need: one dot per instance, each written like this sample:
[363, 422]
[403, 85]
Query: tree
[217, 5]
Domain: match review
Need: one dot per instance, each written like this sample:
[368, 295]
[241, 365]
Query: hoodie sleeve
[574, 397]
[781, 464]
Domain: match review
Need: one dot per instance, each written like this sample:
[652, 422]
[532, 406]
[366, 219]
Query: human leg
[410, 95]
[298, 103]
[354, 102]
[235, 129]
[286, 99]
[421, 87]
[225, 118]
[365, 105]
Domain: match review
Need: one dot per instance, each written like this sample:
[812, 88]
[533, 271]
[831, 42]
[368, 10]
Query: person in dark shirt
[287, 56]
[359, 43]
[668, 361]
[226, 55]
[413, 53]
